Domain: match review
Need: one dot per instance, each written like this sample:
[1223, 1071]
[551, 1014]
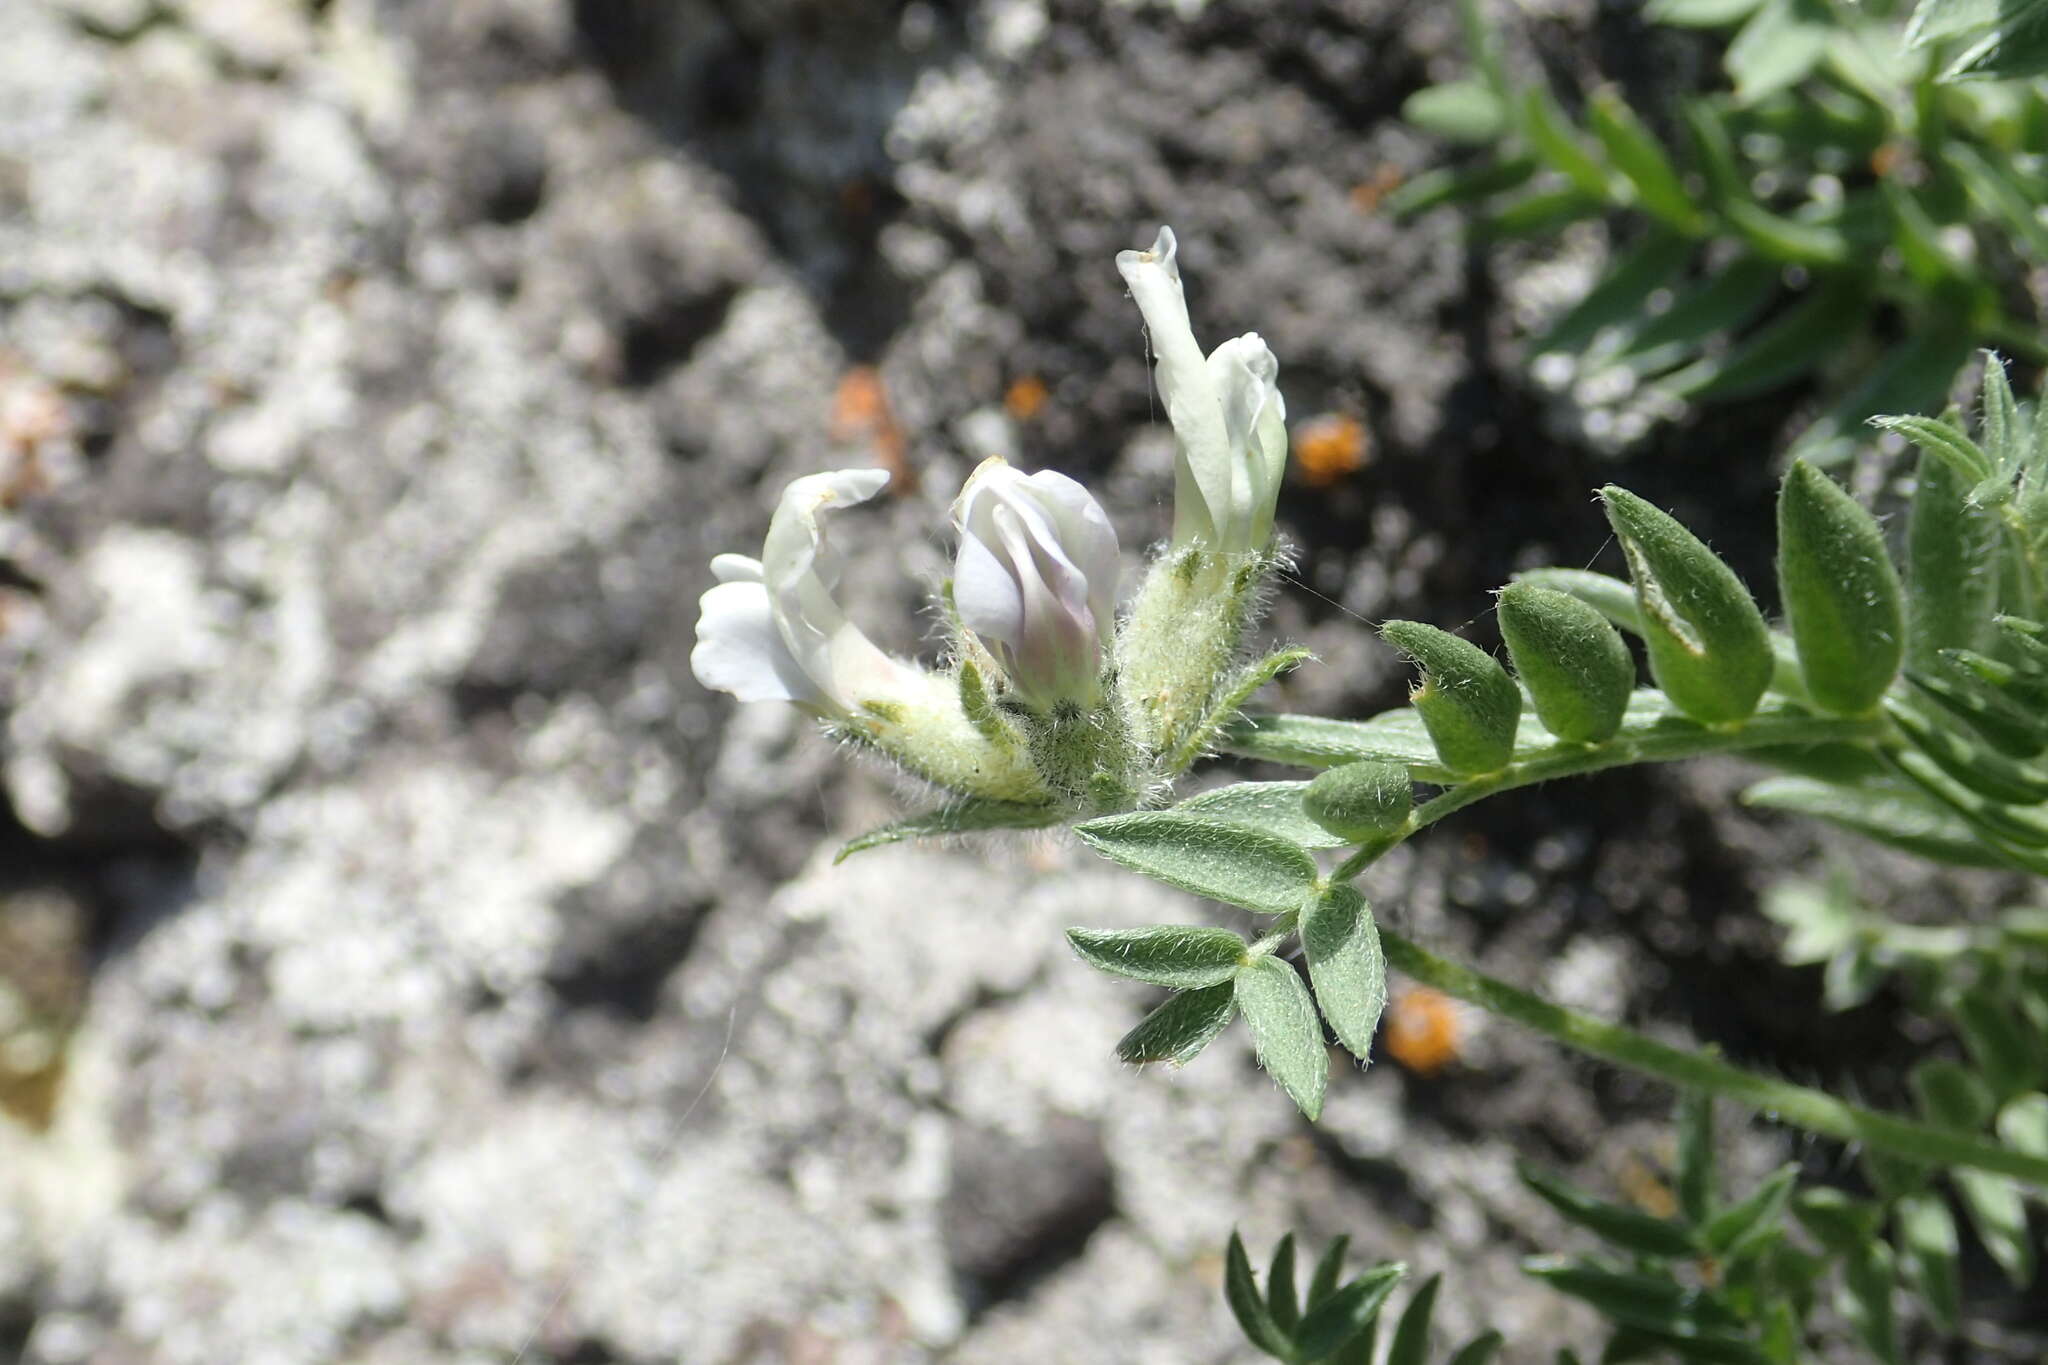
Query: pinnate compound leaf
[967, 816]
[1230, 863]
[1346, 965]
[1275, 807]
[1285, 1032]
[1184, 956]
[1630, 1229]
[1348, 1312]
[1241, 1291]
[1179, 1029]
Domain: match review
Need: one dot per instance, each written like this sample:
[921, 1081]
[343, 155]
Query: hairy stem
[1814, 1110]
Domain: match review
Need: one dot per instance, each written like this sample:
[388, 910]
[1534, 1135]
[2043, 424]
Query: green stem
[1813, 1110]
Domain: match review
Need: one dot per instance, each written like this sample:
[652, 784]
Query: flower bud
[1709, 648]
[1576, 666]
[1841, 593]
[1468, 703]
[1035, 581]
[1229, 422]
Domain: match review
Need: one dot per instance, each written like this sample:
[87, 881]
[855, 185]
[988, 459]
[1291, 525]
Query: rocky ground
[402, 959]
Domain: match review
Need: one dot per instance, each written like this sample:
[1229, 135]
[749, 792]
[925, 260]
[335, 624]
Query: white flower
[1228, 418]
[1035, 580]
[771, 629]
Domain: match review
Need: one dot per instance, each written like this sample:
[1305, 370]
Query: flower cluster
[1046, 701]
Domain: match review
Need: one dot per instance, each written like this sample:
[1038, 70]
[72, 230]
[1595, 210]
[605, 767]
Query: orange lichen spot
[1887, 158]
[1423, 1029]
[1025, 396]
[1642, 1186]
[1366, 195]
[1329, 447]
[861, 411]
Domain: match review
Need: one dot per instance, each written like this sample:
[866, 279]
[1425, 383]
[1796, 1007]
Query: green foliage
[1709, 648]
[1842, 596]
[1862, 176]
[1359, 801]
[1575, 665]
[1338, 1321]
[1466, 700]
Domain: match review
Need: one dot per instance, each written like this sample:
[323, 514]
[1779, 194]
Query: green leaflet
[1886, 812]
[967, 815]
[1278, 808]
[1183, 956]
[1841, 593]
[1630, 1229]
[1178, 1030]
[1709, 649]
[1655, 182]
[1230, 863]
[1612, 597]
[1410, 1345]
[1348, 1313]
[1925, 1232]
[1345, 963]
[1360, 801]
[1285, 1031]
[1467, 701]
[1576, 666]
[1951, 573]
[1458, 111]
[1241, 1291]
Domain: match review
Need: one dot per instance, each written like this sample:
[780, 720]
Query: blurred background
[403, 959]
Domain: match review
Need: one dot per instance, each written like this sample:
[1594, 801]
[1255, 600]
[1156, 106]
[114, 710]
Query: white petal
[1246, 377]
[985, 593]
[1203, 470]
[801, 570]
[740, 651]
[735, 569]
[796, 537]
[1085, 533]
